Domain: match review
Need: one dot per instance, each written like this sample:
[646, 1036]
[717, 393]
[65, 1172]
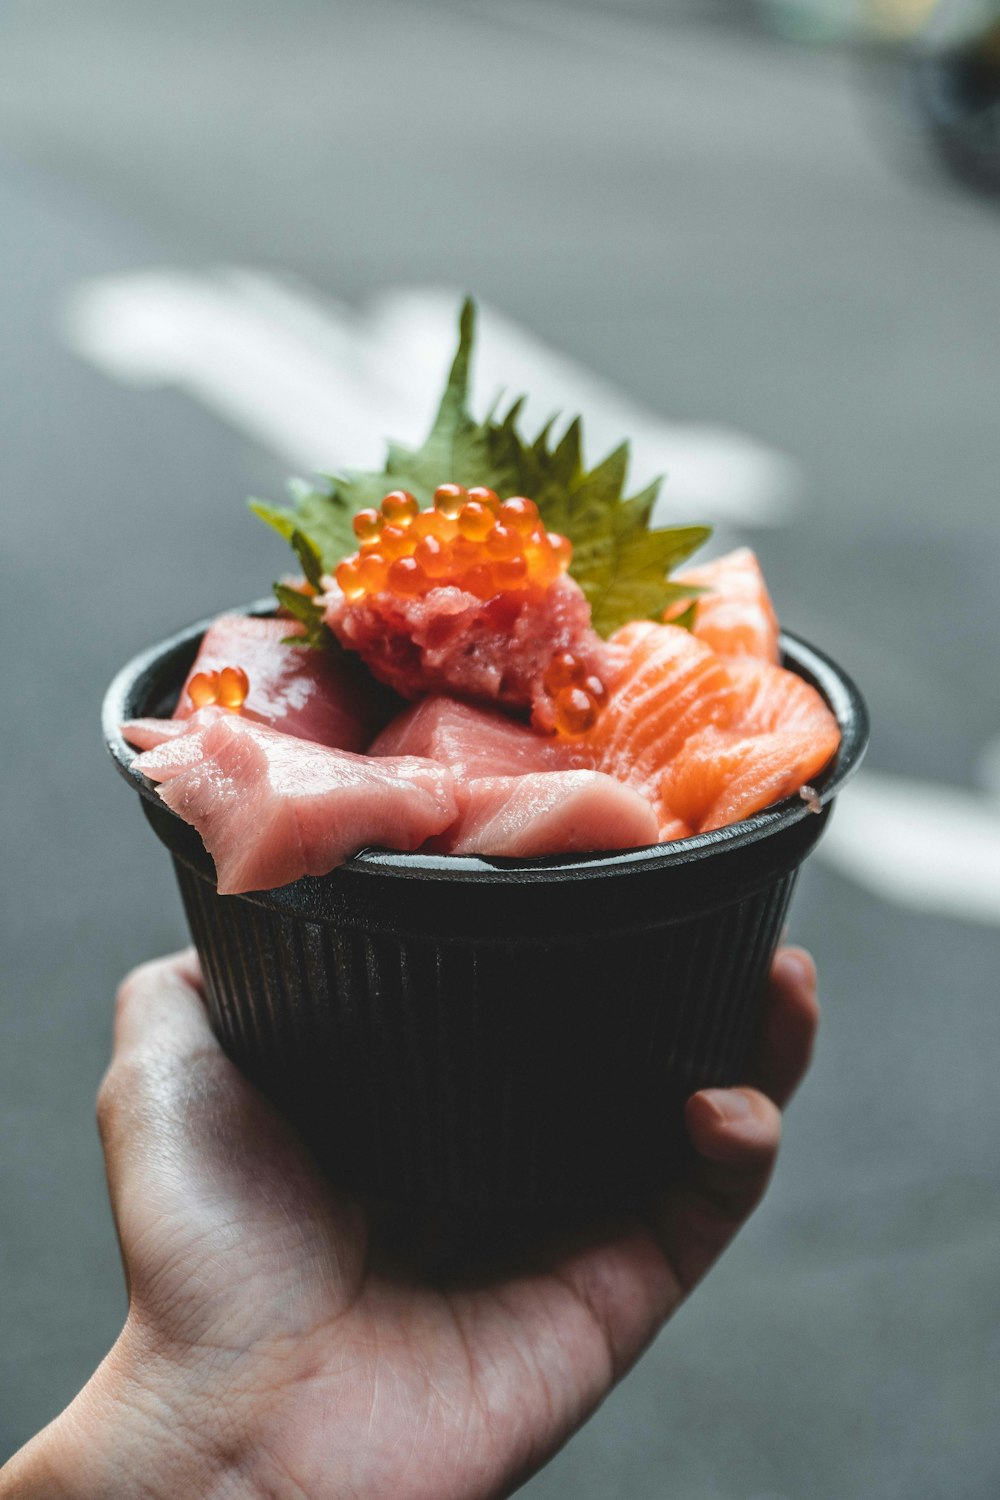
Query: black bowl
[495, 1033]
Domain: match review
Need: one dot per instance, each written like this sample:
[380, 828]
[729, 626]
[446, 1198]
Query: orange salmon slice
[707, 739]
[736, 618]
[668, 686]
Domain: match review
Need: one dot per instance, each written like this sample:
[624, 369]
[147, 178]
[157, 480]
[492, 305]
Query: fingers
[161, 1006]
[164, 1054]
[208, 1183]
[735, 1134]
[790, 1024]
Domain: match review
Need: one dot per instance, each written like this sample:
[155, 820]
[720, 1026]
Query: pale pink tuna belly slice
[314, 694]
[146, 734]
[271, 807]
[549, 812]
[473, 741]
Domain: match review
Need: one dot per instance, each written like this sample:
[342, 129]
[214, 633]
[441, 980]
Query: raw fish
[549, 812]
[271, 808]
[471, 741]
[314, 694]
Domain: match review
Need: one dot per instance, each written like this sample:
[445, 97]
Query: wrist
[129, 1435]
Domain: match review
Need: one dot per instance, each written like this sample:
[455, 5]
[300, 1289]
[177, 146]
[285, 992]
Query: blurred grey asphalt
[719, 224]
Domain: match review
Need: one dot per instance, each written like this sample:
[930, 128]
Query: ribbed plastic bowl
[495, 1033]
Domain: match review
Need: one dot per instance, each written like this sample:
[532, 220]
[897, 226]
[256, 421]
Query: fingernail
[729, 1104]
[799, 967]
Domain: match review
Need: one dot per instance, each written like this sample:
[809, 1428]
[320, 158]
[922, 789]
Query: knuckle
[108, 1102]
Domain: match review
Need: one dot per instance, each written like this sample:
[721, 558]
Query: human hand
[268, 1350]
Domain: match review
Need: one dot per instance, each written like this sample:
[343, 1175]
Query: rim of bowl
[144, 675]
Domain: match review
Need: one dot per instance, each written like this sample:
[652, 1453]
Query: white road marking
[923, 845]
[322, 386]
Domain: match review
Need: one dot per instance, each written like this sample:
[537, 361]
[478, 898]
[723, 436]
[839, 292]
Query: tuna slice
[449, 641]
[549, 812]
[146, 734]
[271, 808]
[316, 695]
[736, 617]
[471, 741]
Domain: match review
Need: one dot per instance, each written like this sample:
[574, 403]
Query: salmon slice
[549, 812]
[708, 740]
[720, 777]
[271, 807]
[770, 698]
[736, 618]
[668, 686]
[471, 741]
[315, 694]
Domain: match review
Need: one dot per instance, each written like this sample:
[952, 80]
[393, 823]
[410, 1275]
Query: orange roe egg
[348, 578]
[399, 507]
[562, 549]
[481, 581]
[541, 563]
[203, 689]
[372, 572]
[475, 520]
[564, 670]
[432, 523]
[503, 541]
[511, 572]
[480, 495]
[367, 525]
[575, 711]
[520, 513]
[394, 542]
[596, 690]
[234, 684]
[434, 556]
[406, 576]
[464, 554]
[449, 499]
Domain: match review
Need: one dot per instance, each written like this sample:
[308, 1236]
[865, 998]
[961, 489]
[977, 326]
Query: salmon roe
[468, 539]
[227, 688]
[577, 694]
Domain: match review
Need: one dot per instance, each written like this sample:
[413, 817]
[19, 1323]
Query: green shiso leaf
[621, 562]
[308, 612]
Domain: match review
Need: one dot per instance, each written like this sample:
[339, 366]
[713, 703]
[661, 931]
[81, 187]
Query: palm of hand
[264, 1302]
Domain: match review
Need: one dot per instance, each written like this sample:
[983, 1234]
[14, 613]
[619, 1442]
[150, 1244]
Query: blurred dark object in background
[954, 79]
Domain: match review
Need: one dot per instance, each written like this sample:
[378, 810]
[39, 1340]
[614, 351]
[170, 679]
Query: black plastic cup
[495, 1034]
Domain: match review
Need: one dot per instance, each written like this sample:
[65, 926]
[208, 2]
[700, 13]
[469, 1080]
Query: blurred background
[763, 240]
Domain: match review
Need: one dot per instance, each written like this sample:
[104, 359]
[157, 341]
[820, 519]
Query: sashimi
[735, 617]
[300, 690]
[770, 698]
[170, 757]
[720, 777]
[145, 734]
[271, 807]
[708, 739]
[668, 687]
[549, 812]
[471, 741]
